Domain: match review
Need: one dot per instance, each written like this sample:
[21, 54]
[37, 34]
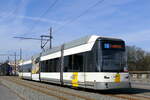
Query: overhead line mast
[44, 39]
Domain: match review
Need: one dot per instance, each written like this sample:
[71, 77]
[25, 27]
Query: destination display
[113, 45]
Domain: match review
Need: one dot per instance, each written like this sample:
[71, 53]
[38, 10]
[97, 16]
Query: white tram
[89, 62]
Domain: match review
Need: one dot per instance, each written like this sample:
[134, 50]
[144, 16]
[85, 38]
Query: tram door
[36, 69]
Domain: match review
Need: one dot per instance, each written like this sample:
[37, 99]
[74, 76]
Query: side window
[57, 65]
[68, 64]
[73, 63]
[51, 65]
[26, 68]
[78, 63]
[91, 63]
[46, 65]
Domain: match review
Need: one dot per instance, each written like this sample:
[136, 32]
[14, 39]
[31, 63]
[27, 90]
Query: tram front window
[113, 56]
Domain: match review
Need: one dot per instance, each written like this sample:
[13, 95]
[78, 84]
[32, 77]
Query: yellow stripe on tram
[75, 79]
[117, 78]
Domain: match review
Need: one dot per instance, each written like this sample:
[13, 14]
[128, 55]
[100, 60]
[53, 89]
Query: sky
[71, 19]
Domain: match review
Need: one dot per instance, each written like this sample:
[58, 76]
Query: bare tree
[138, 59]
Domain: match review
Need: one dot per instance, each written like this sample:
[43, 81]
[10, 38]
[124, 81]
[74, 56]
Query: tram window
[73, 63]
[43, 66]
[57, 66]
[68, 64]
[46, 64]
[113, 56]
[78, 63]
[54, 65]
[51, 65]
[91, 60]
[26, 68]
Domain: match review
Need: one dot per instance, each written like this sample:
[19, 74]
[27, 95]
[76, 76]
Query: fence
[140, 74]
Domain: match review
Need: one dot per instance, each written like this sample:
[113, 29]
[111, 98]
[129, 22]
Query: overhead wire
[80, 15]
[42, 15]
[50, 7]
[13, 13]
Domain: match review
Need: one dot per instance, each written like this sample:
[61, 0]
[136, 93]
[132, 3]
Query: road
[6, 94]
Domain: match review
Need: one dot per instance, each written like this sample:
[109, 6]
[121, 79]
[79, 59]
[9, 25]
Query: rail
[65, 95]
[46, 90]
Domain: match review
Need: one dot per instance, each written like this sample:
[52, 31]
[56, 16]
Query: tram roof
[67, 45]
[74, 43]
[71, 44]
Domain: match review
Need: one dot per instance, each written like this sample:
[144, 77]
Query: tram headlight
[125, 69]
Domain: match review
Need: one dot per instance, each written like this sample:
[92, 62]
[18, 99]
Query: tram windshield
[113, 56]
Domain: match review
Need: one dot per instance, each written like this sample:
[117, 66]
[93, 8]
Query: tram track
[43, 89]
[139, 96]
[131, 97]
[22, 98]
[37, 89]
[52, 91]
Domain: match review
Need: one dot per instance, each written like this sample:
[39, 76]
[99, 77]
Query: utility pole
[44, 39]
[20, 54]
[50, 37]
[8, 58]
[15, 64]
[62, 64]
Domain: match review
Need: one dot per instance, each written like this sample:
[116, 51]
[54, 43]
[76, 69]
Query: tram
[93, 62]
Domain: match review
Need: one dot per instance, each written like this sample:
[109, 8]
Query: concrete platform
[6, 94]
